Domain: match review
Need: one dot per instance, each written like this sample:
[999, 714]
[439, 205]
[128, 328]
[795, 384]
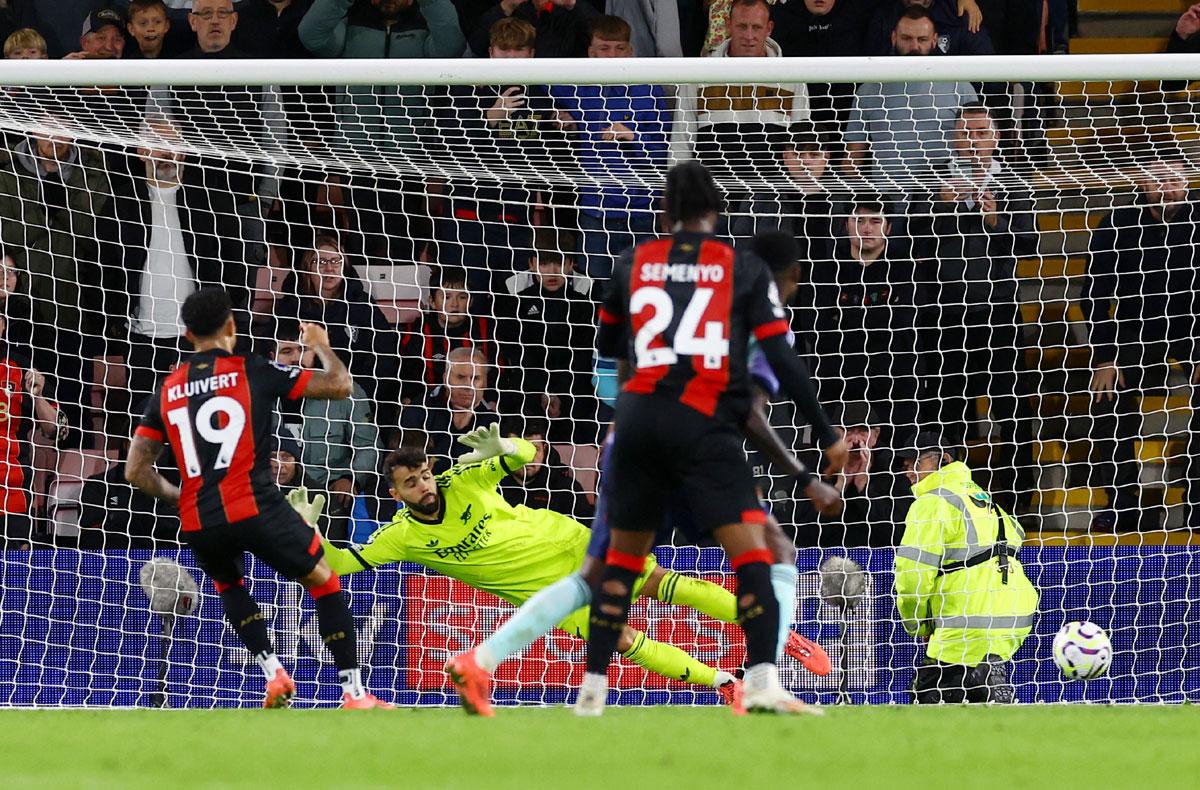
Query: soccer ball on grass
[1082, 650]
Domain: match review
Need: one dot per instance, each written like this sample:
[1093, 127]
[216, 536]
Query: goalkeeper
[459, 525]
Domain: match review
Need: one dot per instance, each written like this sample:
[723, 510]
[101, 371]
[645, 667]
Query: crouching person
[959, 584]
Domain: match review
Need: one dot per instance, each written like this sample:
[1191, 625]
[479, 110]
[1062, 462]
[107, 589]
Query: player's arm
[762, 434]
[381, 549]
[332, 383]
[144, 452]
[795, 381]
[918, 559]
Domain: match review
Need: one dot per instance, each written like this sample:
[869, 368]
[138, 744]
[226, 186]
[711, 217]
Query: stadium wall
[76, 630]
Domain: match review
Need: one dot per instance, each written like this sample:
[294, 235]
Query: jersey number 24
[690, 338]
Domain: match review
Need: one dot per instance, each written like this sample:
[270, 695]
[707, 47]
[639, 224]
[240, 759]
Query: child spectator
[25, 44]
[149, 26]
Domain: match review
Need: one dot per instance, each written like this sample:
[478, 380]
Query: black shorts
[278, 537]
[665, 453]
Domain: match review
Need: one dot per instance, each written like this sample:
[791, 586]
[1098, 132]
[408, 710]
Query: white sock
[784, 578]
[722, 677]
[269, 663]
[761, 677]
[351, 680]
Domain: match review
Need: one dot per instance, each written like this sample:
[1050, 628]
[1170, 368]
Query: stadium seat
[268, 287]
[584, 461]
[396, 290]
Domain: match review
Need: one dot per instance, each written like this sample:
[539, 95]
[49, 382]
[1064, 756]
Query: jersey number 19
[219, 422]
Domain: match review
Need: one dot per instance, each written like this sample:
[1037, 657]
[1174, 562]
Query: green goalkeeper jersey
[481, 540]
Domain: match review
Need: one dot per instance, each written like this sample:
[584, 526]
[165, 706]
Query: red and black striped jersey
[682, 310]
[215, 413]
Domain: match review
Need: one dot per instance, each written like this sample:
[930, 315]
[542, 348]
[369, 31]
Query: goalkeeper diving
[459, 525]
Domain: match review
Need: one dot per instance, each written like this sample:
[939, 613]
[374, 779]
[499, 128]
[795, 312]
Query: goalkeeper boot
[593, 695]
[810, 655]
[473, 684]
[365, 702]
[280, 690]
[732, 693]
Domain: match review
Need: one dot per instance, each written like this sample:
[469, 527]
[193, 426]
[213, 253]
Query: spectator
[858, 316]
[58, 20]
[103, 36]
[213, 22]
[1140, 299]
[803, 204]
[958, 32]
[875, 496]
[383, 29]
[506, 127]
[822, 28]
[622, 135]
[980, 221]
[544, 482]
[547, 333]
[1023, 28]
[10, 19]
[1183, 37]
[115, 515]
[271, 28]
[563, 26]
[24, 408]
[447, 323]
[655, 26]
[167, 236]
[325, 289]
[25, 44]
[453, 409]
[905, 126]
[149, 25]
[730, 127]
[339, 438]
[51, 193]
[21, 336]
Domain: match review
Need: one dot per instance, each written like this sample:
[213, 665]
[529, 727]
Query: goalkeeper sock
[758, 610]
[784, 578]
[336, 626]
[711, 599]
[669, 661]
[546, 609]
[610, 608]
[248, 621]
[269, 663]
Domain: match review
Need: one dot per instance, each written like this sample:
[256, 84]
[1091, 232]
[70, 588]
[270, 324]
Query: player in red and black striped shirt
[682, 311]
[215, 413]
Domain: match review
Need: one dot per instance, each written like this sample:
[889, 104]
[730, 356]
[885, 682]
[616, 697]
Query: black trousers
[1117, 426]
[979, 356]
[938, 683]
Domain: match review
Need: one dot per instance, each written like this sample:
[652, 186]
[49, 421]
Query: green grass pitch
[626, 749]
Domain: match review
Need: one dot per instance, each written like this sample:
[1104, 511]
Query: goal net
[1001, 251]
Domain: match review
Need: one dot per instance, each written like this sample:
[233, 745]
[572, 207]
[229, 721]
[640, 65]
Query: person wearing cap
[959, 583]
[103, 36]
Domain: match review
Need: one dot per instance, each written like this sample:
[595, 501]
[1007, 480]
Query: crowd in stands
[904, 196]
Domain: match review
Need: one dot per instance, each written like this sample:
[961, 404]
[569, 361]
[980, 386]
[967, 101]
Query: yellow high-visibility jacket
[951, 579]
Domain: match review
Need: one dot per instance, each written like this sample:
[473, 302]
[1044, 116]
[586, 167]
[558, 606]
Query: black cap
[853, 414]
[287, 444]
[925, 442]
[98, 19]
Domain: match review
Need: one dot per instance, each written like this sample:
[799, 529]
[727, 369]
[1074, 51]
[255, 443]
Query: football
[1082, 650]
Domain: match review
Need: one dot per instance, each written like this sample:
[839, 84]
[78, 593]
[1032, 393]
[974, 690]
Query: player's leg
[282, 540]
[784, 580]
[220, 556]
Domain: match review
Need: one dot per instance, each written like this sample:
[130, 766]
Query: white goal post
[1010, 277]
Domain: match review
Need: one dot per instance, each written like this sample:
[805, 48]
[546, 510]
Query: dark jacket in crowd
[552, 487]
[434, 420]
[560, 33]
[425, 343]
[529, 142]
[810, 218]
[975, 264]
[803, 34]
[262, 33]
[547, 339]
[212, 237]
[115, 515]
[954, 37]
[359, 333]
[1151, 269]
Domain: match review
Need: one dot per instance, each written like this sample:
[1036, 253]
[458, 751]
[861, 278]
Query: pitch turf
[642, 749]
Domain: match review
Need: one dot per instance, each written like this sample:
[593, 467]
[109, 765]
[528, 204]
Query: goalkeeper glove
[485, 443]
[309, 511]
